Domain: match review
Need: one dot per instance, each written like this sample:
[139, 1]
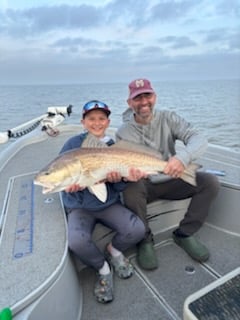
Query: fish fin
[189, 174]
[92, 141]
[132, 146]
[99, 190]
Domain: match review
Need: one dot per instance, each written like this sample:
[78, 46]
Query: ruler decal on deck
[23, 242]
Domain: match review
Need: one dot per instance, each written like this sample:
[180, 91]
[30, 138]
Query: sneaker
[193, 247]
[103, 289]
[146, 255]
[121, 265]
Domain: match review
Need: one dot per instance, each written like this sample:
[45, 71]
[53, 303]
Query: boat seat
[161, 214]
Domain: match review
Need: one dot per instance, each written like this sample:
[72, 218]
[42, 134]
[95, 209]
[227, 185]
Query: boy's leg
[129, 228]
[129, 231]
[80, 229]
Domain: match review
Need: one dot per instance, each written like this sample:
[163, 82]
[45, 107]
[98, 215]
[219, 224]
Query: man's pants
[138, 194]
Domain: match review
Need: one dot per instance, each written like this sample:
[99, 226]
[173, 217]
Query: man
[160, 130]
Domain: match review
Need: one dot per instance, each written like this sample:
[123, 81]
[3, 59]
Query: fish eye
[46, 173]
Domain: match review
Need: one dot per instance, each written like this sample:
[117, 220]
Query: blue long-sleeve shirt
[85, 199]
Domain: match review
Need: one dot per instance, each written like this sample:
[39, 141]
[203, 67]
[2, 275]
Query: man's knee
[133, 191]
[209, 182]
[213, 184]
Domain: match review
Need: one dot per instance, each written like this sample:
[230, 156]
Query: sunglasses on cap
[95, 105]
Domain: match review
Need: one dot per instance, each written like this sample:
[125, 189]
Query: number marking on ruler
[23, 242]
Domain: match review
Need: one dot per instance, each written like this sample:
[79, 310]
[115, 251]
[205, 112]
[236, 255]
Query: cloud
[118, 39]
[177, 42]
[172, 10]
[78, 42]
[44, 19]
[229, 8]
[224, 38]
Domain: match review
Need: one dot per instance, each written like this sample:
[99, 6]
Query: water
[212, 106]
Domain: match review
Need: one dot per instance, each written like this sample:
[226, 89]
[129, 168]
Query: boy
[85, 210]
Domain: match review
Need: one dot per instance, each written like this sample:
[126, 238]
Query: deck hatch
[222, 302]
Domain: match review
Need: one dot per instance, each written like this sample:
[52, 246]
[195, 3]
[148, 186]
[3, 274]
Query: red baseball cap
[139, 86]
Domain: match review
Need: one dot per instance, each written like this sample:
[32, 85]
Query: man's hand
[174, 168]
[74, 188]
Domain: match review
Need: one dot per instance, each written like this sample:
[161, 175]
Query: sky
[74, 41]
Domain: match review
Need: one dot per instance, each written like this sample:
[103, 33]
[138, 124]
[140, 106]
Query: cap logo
[139, 83]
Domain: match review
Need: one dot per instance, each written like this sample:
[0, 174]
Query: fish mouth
[46, 188]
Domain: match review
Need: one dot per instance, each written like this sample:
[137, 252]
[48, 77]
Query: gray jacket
[162, 133]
